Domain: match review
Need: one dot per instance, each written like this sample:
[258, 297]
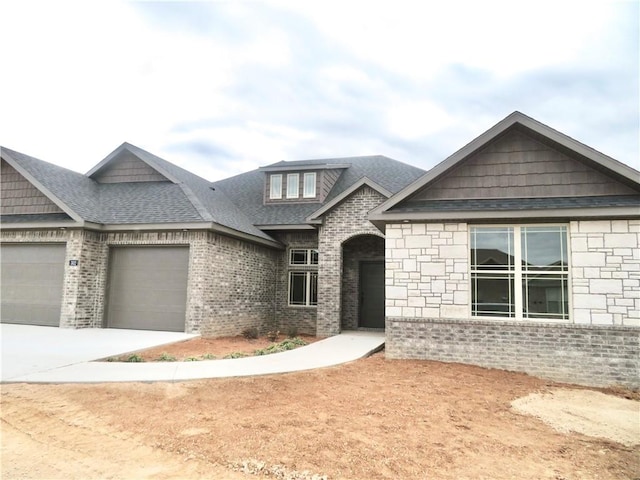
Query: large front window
[520, 272]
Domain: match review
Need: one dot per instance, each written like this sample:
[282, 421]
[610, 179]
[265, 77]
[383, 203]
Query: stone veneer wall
[427, 310]
[605, 272]
[347, 220]
[301, 318]
[230, 284]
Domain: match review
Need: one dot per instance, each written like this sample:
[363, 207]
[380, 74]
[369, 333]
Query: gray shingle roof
[544, 203]
[236, 202]
[191, 199]
[247, 189]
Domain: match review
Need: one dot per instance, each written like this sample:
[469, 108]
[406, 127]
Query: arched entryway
[362, 288]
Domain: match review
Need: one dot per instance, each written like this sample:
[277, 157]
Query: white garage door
[31, 283]
[148, 288]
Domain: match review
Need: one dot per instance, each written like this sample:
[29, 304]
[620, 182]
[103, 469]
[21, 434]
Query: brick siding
[582, 354]
[346, 221]
[230, 285]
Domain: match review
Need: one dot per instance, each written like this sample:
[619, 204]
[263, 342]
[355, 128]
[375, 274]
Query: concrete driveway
[28, 350]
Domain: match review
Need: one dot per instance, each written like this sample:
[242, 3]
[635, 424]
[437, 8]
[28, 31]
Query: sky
[221, 88]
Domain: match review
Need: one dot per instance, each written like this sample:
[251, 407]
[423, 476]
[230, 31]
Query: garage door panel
[148, 288]
[32, 276]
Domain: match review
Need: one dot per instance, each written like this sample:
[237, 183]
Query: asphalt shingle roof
[191, 199]
[247, 189]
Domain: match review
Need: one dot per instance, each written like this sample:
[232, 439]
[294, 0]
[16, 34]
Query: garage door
[148, 288]
[31, 283]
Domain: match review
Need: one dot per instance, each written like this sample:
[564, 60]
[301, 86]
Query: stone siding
[605, 272]
[582, 354]
[427, 270]
[345, 221]
[428, 306]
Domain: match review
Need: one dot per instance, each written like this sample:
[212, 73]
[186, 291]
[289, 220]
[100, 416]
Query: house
[140, 243]
[520, 251]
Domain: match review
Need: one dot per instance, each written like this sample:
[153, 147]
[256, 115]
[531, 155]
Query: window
[303, 281]
[303, 288]
[309, 185]
[275, 182]
[520, 272]
[303, 256]
[292, 185]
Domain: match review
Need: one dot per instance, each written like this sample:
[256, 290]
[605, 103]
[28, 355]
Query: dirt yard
[370, 419]
[202, 348]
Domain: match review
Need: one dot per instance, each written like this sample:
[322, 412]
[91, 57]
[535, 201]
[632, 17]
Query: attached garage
[147, 288]
[31, 283]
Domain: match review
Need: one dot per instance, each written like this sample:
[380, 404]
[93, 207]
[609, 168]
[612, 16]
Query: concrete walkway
[335, 350]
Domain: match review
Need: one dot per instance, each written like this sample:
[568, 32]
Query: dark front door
[371, 295]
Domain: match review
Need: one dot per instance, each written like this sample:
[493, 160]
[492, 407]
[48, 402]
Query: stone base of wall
[581, 354]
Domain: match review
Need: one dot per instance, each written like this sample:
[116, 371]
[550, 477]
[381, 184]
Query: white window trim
[309, 193]
[518, 297]
[309, 253]
[293, 185]
[307, 292]
[273, 193]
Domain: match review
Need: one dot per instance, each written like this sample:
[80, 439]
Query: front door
[371, 295]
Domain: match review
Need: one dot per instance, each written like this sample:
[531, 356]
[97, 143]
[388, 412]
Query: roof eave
[268, 227]
[319, 166]
[494, 215]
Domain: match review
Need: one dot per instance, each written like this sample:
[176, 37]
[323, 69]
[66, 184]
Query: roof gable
[126, 168]
[516, 165]
[125, 165]
[19, 196]
[60, 186]
[548, 149]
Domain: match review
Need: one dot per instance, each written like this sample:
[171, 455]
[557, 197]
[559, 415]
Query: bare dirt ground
[218, 347]
[370, 419]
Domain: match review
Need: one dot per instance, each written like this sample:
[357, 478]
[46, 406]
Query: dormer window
[275, 182]
[293, 189]
[309, 185]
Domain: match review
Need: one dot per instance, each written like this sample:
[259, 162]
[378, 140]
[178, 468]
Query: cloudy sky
[223, 87]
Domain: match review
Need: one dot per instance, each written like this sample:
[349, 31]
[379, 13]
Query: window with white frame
[303, 281]
[309, 185]
[293, 188]
[275, 189]
[303, 256]
[520, 272]
[303, 288]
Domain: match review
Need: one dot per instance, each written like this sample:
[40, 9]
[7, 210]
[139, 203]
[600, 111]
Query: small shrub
[273, 336]
[208, 356]
[235, 355]
[292, 332]
[283, 346]
[192, 359]
[165, 357]
[134, 358]
[250, 333]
